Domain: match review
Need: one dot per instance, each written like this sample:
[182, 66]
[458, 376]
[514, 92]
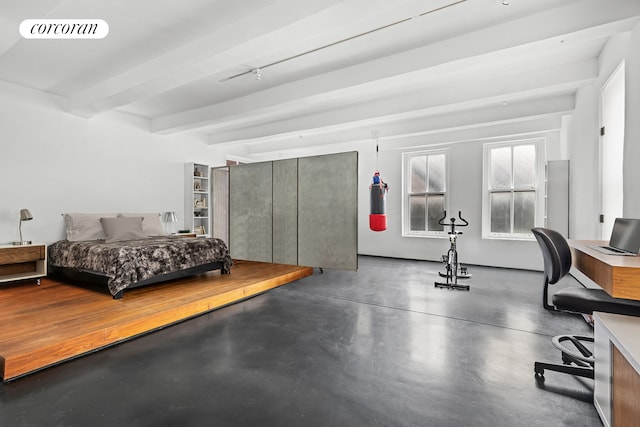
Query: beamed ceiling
[332, 68]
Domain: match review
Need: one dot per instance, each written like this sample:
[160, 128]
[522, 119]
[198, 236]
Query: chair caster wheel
[540, 377]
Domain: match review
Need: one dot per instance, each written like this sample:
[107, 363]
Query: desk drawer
[21, 254]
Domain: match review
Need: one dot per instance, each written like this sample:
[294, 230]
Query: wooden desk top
[619, 276]
[614, 260]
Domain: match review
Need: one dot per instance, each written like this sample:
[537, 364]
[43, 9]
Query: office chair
[576, 357]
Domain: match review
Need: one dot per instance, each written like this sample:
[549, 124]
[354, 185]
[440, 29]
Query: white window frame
[539, 188]
[406, 185]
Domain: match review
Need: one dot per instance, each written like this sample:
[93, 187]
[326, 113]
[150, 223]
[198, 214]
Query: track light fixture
[256, 71]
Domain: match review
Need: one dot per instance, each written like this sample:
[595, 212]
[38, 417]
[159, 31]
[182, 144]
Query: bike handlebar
[462, 219]
[443, 217]
[453, 220]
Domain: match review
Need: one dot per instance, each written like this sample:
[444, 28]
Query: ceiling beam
[526, 127]
[432, 122]
[183, 65]
[507, 84]
[220, 51]
[400, 70]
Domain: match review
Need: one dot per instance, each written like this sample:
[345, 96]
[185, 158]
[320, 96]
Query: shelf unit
[23, 262]
[197, 199]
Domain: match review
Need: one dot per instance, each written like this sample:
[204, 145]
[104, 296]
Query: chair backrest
[556, 253]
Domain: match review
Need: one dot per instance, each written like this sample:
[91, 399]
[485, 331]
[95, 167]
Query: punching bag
[378, 216]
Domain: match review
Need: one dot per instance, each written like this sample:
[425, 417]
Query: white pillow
[150, 222]
[122, 228]
[83, 226]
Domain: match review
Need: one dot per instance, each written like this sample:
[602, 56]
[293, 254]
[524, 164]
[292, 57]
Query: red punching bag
[377, 216]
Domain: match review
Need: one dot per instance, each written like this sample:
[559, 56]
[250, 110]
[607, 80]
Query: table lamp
[169, 218]
[25, 215]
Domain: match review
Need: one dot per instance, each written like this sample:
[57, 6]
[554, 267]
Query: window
[513, 197]
[426, 178]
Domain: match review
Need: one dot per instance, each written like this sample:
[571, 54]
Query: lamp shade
[25, 215]
[169, 217]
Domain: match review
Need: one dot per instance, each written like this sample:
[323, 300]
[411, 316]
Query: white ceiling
[170, 62]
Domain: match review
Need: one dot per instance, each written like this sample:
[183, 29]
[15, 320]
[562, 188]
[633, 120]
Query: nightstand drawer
[18, 268]
[21, 254]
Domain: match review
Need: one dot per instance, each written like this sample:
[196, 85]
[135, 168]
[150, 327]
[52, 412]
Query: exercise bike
[450, 259]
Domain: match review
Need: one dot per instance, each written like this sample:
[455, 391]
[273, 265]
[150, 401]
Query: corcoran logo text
[64, 29]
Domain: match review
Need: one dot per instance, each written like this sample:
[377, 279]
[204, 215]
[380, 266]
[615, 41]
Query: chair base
[579, 371]
[579, 363]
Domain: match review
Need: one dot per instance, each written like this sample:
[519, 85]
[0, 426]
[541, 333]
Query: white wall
[53, 162]
[466, 163]
[465, 194]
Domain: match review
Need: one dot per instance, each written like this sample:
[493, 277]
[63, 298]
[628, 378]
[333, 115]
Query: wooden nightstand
[23, 262]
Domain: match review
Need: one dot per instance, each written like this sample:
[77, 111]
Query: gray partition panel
[285, 211]
[250, 212]
[220, 203]
[328, 211]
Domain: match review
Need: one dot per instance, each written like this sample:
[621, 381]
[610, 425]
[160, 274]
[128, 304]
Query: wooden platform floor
[44, 325]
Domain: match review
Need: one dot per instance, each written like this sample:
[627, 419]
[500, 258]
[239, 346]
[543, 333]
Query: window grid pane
[417, 213]
[500, 168]
[436, 173]
[524, 166]
[524, 208]
[500, 212]
[435, 210]
[418, 167]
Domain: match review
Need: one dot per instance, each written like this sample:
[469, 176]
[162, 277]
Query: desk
[619, 276]
[617, 379]
[616, 347]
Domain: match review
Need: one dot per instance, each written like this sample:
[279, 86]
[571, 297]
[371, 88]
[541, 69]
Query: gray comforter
[131, 261]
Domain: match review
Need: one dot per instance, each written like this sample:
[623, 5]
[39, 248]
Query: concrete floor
[380, 347]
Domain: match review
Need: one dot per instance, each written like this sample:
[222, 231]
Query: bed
[122, 259]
